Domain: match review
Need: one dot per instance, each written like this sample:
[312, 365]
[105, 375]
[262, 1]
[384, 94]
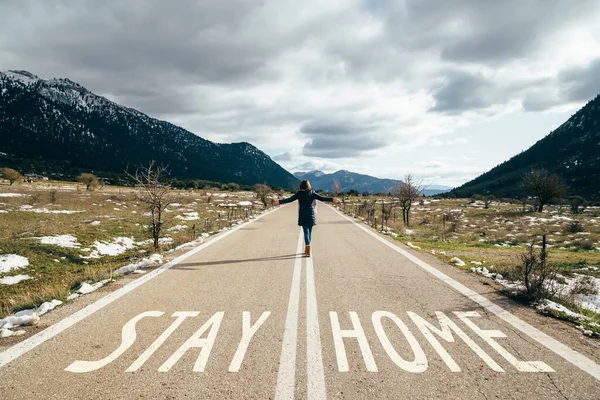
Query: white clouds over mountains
[341, 83]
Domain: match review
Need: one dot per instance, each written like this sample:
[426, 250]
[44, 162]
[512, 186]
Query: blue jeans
[307, 234]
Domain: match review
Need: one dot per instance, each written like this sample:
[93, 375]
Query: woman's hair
[305, 185]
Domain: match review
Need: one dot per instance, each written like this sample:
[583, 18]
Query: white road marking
[248, 332]
[181, 317]
[196, 341]
[358, 333]
[48, 333]
[577, 359]
[286, 376]
[128, 336]
[314, 357]
[447, 326]
[420, 363]
[489, 335]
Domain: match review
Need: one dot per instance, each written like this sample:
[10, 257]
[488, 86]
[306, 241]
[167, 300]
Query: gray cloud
[340, 139]
[581, 84]
[462, 91]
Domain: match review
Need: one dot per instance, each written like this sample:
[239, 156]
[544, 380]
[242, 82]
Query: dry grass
[57, 271]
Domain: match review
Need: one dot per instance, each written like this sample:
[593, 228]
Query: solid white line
[48, 333]
[286, 377]
[577, 359]
[314, 356]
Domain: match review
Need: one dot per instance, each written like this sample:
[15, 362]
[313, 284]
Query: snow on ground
[457, 261]
[25, 317]
[13, 280]
[245, 203]
[153, 260]
[69, 241]
[190, 216]
[9, 262]
[548, 304]
[95, 223]
[86, 288]
[514, 286]
[13, 195]
[412, 246]
[118, 246]
[177, 228]
[29, 208]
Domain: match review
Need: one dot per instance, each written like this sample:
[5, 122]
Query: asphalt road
[247, 317]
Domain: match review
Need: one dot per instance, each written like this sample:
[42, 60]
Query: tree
[11, 175]
[578, 204]
[407, 192]
[89, 180]
[262, 191]
[486, 199]
[234, 187]
[155, 194]
[545, 186]
[337, 188]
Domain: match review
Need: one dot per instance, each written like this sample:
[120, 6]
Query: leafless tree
[262, 191]
[89, 180]
[11, 175]
[337, 188]
[536, 273]
[544, 185]
[486, 199]
[155, 194]
[407, 192]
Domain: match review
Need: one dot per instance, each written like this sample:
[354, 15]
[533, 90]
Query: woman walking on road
[306, 197]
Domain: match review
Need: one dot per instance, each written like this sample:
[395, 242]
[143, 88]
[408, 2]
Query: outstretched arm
[288, 200]
[323, 198]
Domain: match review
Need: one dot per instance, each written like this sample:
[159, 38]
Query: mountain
[433, 190]
[572, 151]
[348, 180]
[58, 123]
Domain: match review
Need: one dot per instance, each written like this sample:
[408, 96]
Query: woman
[306, 196]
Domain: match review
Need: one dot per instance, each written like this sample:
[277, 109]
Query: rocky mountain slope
[57, 124]
[572, 151]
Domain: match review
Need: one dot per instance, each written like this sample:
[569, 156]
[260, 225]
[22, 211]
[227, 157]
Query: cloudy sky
[441, 89]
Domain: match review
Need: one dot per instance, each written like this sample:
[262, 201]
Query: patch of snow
[13, 195]
[409, 232]
[118, 246]
[245, 203]
[29, 208]
[457, 261]
[69, 241]
[153, 260]
[177, 228]
[13, 280]
[94, 223]
[412, 246]
[190, 216]
[28, 317]
[550, 305]
[9, 262]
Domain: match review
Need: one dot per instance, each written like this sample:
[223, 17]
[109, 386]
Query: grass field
[39, 220]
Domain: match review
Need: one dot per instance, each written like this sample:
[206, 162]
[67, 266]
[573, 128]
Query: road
[245, 316]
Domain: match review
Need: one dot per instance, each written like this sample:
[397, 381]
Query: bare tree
[262, 191]
[407, 192]
[536, 273]
[89, 180]
[337, 188]
[544, 185]
[155, 194]
[11, 175]
[486, 199]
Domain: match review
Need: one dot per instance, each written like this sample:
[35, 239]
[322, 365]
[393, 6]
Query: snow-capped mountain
[348, 181]
[572, 151]
[48, 123]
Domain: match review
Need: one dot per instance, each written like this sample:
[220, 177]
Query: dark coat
[306, 208]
